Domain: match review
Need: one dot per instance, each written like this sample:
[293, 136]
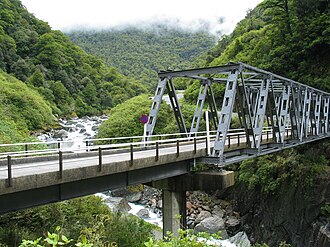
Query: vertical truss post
[284, 111]
[272, 114]
[294, 112]
[157, 100]
[226, 114]
[305, 109]
[244, 110]
[176, 106]
[308, 112]
[199, 107]
[261, 110]
[317, 113]
[326, 105]
[212, 106]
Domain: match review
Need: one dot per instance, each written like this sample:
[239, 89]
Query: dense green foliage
[83, 218]
[66, 76]
[185, 238]
[124, 118]
[287, 37]
[141, 53]
[22, 109]
[295, 166]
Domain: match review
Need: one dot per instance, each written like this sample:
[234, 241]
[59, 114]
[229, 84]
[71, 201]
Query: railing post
[195, 146]
[26, 150]
[157, 152]
[10, 177]
[228, 141]
[267, 135]
[60, 159]
[100, 159]
[238, 140]
[177, 148]
[287, 133]
[87, 144]
[206, 146]
[131, 151]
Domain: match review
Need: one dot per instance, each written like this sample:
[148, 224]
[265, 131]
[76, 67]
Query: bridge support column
[174, 211]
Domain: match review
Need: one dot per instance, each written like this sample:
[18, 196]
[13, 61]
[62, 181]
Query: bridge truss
[260, 99]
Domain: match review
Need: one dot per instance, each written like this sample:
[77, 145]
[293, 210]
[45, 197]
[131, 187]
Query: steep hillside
[287, 37]
[67, 77]
[141, 53]
[21, 109]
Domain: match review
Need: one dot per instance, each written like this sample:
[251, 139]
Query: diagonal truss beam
[284, 111]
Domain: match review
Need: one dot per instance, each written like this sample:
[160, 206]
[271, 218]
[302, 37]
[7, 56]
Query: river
[74, 132]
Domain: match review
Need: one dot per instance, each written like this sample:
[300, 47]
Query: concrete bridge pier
[174, 211]
[174, 194]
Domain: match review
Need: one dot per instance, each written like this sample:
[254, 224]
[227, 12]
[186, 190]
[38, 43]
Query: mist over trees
[142, 52]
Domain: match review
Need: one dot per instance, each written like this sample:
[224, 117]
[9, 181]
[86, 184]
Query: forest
[142, 52]
[45, 76]
[69, 79]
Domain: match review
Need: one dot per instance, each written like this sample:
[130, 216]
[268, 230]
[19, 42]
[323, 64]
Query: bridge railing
[47, 148]
[236, 138]
[110, 143]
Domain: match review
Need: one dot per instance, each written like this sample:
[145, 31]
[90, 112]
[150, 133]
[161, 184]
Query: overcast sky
[67, 14]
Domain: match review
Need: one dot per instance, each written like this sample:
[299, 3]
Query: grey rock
[143, 213]
[210, 225]
[134, 197]
[232, 222]
[240, 240]
[60, 134]
[160, 204]
[218, 211]
[206, 208]
[119, 204]
[83, 130]
[202, 215]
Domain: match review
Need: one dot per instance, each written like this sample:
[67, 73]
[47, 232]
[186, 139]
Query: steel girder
[295, 113]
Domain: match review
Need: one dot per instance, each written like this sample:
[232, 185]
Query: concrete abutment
[174, 194]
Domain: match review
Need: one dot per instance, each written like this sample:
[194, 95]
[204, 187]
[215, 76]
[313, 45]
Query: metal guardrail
[98, 150]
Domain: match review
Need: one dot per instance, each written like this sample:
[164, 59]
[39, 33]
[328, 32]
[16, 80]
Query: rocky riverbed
[73, 131]
[205, 213]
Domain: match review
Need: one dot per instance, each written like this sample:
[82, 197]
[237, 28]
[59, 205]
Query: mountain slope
[69, 78]
[141, 53]
[287, 37]
[22, 109]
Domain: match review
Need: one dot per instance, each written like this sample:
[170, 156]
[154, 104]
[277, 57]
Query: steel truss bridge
[274, 112]
[260, 98]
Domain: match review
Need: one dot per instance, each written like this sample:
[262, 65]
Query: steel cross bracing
[292, 112]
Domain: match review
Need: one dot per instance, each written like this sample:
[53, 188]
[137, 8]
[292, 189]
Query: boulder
[143, 213]
[240, 240]
[202, 215]
[232, 222]
[119, 204]
[134, 197]
[189, 206]
[83, 130]
[210, 225]
[60, 134]
[218, 211]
